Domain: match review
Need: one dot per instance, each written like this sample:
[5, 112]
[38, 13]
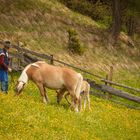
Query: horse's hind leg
[88, 96]
[88, 99]
[66, 97]
[60, 95]
[74, 102]
[80, 103]
[72, 105]
[42, 92]
[85, 99]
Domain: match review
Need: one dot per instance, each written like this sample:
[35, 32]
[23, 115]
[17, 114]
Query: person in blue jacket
[4, 66]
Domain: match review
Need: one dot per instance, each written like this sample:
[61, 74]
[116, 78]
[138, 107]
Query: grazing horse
[52, 77]
[85, 89]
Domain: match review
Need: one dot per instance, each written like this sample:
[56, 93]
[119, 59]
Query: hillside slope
[42, 25]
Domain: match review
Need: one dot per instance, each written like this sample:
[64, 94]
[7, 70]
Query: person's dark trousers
[4, 86]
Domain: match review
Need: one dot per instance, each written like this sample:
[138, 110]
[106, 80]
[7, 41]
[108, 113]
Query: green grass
[128, 77]
[26, 117]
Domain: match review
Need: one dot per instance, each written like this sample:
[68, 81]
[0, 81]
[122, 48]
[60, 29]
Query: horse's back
[50, 76]
[56, 72]
[53, 76]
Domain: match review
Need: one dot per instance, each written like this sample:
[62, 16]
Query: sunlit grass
[26, 117]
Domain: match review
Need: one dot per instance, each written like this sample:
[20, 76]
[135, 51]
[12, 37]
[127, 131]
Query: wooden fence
[26, 56]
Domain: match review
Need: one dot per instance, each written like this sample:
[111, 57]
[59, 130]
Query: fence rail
[116, 92]
[120, 85]
[52, 59]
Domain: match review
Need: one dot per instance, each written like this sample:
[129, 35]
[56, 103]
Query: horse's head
[22, 81]
[19, 87]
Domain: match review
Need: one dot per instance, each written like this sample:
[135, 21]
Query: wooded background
[118, 15]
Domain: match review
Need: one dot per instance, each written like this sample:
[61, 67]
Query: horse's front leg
[46, 95]
[42, 92]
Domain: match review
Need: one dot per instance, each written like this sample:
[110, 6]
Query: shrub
[74, 44]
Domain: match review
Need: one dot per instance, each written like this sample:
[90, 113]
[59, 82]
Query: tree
[116, 21]
[132, 15]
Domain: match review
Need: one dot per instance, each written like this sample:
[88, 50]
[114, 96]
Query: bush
[74, 45]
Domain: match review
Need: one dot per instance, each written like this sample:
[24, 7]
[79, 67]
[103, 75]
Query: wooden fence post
[51, 61]
[106, 82]
[20, 61]
[106, 79]
[110, 77]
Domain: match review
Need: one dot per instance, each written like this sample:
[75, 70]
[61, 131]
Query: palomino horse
[85, 89]
[53, 77]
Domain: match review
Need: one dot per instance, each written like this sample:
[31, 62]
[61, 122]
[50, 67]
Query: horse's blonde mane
[23, 77]
[35, 65]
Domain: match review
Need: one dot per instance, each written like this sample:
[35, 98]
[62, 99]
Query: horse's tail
[79, 85]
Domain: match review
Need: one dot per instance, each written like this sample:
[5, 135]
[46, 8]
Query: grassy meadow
[25, 117]
[42, 26]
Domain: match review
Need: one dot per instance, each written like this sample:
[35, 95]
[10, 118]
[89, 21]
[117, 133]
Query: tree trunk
[130, 26]
[116, 21]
